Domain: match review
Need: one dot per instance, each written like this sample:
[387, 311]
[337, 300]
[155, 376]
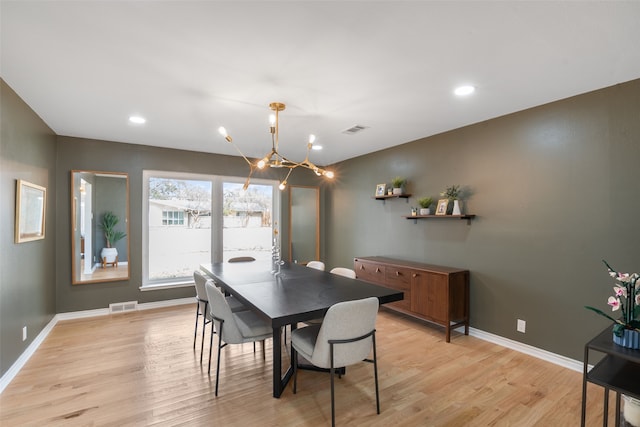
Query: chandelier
[274, 159]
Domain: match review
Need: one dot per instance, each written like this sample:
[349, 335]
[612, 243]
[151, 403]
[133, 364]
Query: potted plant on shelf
[453, 193]
[111, 235]
[398, 184]
[425, 203]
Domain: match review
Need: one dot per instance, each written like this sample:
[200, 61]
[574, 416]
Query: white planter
[425, 211]
[397, 191]
[456, 208]
[109, 254]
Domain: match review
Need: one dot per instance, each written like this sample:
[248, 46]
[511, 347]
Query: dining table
[287, 294]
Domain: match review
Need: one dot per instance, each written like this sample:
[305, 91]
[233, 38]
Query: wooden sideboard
[431, 292]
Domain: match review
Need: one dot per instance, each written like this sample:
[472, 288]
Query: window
[191, 219]
[173, 218]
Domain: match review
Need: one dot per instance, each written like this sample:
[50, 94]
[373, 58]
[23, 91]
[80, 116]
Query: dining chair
[343, 271]
[233, 327]
[202, 302]
[318, 265]
[345, 337]
[242, 259]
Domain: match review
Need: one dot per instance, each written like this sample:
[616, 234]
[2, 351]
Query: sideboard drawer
[369, 271]
[399, 278]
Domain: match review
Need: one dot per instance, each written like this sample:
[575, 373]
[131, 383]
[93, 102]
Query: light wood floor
[139, 369]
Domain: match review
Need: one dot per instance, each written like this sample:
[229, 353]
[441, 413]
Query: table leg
[279, 381]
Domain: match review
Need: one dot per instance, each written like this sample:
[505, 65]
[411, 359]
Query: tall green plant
[108, 224]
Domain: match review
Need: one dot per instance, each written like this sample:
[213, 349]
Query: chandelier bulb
[272, 119]
[312, 139]
[224, 133]
[282, 185]
[328, 174]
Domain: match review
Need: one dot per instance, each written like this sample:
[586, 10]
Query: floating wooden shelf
[393, 196]
[415, 218]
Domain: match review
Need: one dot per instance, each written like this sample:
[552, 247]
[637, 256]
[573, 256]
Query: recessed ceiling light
[137, 120]
[464, 90]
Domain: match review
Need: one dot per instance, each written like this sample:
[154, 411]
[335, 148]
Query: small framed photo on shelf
[381, 189]
[442, 207]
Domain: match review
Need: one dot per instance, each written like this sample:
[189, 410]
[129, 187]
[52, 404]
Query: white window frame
[216, 218]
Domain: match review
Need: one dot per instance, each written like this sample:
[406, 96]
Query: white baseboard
[556, 359]
[31, 349]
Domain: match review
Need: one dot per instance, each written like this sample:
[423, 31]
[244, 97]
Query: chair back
[201, 293]
[242, 259]
[342, 271]
[220, 310]
[346, 320]
[318, 265]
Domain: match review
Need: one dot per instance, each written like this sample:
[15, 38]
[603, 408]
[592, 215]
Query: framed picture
[442, 207]
[381, 189]
[31, 202]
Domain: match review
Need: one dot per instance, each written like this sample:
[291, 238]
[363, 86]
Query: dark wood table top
[297, 294]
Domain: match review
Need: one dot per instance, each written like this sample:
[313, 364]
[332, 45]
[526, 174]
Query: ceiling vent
[354, 129]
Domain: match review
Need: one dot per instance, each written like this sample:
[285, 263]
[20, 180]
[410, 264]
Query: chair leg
[219, 348]
[195, 332]
[204, 327]
[375, 371]
[210, 346]
[263, 350]
[333, 409]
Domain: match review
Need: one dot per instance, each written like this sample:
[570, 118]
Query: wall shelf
[415, 218]
[393, 196]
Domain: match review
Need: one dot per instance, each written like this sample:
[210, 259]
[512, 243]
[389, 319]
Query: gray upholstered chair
[318, 265]
[342, 271]
[202, 302]
[233, 327]
[345, 337]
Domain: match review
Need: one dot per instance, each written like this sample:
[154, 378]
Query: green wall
[556, 190]
[27, 289]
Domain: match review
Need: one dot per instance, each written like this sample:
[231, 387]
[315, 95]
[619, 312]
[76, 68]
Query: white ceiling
[192, 66]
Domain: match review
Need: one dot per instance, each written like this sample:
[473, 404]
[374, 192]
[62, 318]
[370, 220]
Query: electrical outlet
[522, 326]
[24, 333]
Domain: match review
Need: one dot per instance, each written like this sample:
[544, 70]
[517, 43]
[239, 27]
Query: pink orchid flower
[614, 303]
[620, 291]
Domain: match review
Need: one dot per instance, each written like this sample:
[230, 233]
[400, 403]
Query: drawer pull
[415, 275]
[377, 269]
[361, 266]
[397, 273]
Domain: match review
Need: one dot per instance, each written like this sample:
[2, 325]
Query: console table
[431, 292]
[618, 370]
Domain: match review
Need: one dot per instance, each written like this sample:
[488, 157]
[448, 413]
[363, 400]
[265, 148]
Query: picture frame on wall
[381, 189]
[441, 208]
[31, 202]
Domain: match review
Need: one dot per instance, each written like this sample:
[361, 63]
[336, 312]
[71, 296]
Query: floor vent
[121, 307]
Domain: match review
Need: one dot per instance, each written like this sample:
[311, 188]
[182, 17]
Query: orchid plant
[626, 299]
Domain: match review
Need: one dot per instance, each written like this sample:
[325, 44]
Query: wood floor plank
[140, 369]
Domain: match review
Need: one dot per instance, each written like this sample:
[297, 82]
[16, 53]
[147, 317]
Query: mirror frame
[76, 278]
[292, 219]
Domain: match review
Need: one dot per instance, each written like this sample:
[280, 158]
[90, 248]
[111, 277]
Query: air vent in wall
[121, 307]
[354, 129]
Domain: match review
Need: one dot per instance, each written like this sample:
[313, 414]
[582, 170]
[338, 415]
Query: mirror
[304, 225]
[99, 209]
